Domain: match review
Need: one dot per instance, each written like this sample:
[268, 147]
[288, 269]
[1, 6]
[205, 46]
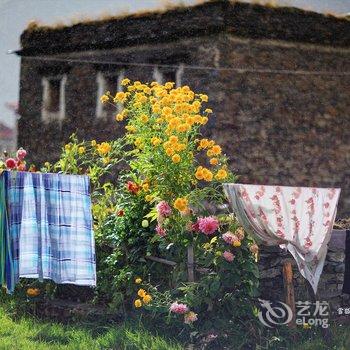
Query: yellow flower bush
[173, 176]
[163, 125]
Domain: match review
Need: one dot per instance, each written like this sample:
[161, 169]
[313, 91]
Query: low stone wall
[331, 282]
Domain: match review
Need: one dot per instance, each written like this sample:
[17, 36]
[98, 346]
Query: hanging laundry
[346, 286]
[299, 219]
[6, 262]
[50, 226]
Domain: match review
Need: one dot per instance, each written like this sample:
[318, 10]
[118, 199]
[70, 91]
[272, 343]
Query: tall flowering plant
[178, 173]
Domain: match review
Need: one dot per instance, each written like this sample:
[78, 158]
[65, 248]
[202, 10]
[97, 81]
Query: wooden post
[289, 290]
[190, 263]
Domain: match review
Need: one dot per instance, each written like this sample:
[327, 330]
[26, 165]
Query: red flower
[132, 187]
[21, 153]
[120, 212]
[11, 163]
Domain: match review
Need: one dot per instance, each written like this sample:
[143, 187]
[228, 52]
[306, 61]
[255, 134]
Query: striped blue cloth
[50, 225]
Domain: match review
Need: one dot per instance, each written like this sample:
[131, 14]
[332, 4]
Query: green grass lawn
[28, 333]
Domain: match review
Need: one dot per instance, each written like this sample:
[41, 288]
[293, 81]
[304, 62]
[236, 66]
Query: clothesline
[239, 70]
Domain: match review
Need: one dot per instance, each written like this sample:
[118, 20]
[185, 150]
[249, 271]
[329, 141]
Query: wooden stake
[289, 290]
[190, 263]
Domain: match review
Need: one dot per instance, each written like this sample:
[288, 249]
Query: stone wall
[331, 282]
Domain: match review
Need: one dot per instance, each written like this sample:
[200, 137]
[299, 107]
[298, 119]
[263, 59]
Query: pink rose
[208, 225]
[163, 209]
[229, 237]
[21, 153]
[228, 256]
[10, 163]
[178, 308]
[160, 231]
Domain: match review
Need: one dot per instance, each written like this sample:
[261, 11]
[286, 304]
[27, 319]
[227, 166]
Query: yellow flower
[214, 161]
[204, 143]
[204, 98]
[210, 153]
[104, 148]
[173, 139]
[119, 97]
[169, 85]
[130, 128]
[216, 150]
[93, 143]
[138, 280]
[137, 83]
[221, 174]
[147, 90]
[207, 175]
[144, 118]
[104, 98]
[183, 127]
[143, 99]
[125, 81]
[181, 204]
[68, 147]
[147, 299]
[180, 147]
[174, 122]
[149, 198]
[208, 110]
[196, 104]
[81, 150]
[197, 118]
[169, 151]
[199, 173]
[106, 160]
[141, 293]
[33, 292]
[156, 141]
[166, 110]
[176, 158]
[145, 187]
[156, 108]
[204, 121]
[138, 303]
[119, 117]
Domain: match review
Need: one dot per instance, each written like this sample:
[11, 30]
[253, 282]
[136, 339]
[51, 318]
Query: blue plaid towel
[51, 227]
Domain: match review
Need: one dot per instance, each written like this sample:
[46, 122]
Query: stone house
[278, 81]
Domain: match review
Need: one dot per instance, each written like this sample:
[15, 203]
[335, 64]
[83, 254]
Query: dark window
[168, 75]
[53, 102]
